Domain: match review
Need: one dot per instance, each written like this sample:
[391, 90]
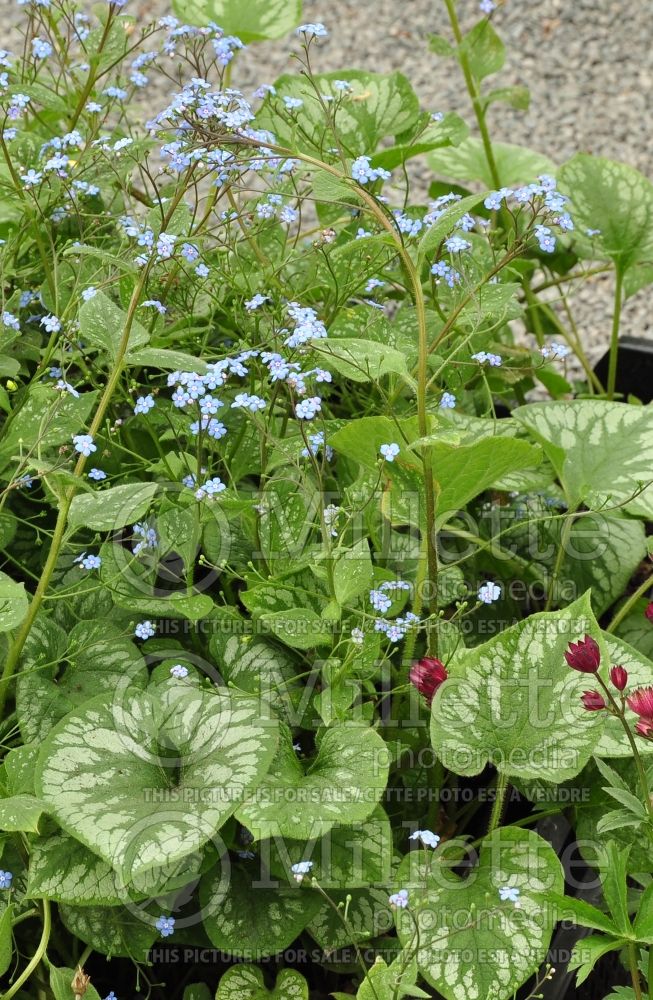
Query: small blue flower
[97, 474]
[179, 671]
[256, 301]
[487, 6]
[426, 837]
[155, 304]
[210, 488]
[84, 444]
[144, 404]
[456, 244]
[389, 451]
[89, 293]
[308, 408]
[448, 401]
[10, 321]
[88, 562]
[51, 323]
[509, 892]
[41, 49]
[316, 30]
[380, 601]
[5, 880]
[145, 630]
[300, 869]
[399, 900]
[489, 592]
[292, 103]
[165, 926]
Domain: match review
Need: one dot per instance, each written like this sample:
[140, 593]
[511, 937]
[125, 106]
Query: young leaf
[245, 982]
[588, 951]
[484, 50]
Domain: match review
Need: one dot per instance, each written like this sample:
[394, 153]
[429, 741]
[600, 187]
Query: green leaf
[467, 162]
[516, 97]
[111, 509]
[368, 915]
[299, 628]
[246, 917]
[614, 875]
[113, 931]
[166, 360]
[462, 472]
[484, 50]
[446, 223]
[352, 574]
[449, 131]
[197, 991]
[102, 323]
[45, 420]
[588, 951]
[61, 673]
[146, 757]
[580, 912]
[643, 926]
[378, 105]
[13, 603]
[514, 702]
[499, 945]
[6, 942]
[360, 360]
[245, 982]
[21, 813]
[61, 985]
[251, 22]
[616, 199]
[602, 451]
[340, 786]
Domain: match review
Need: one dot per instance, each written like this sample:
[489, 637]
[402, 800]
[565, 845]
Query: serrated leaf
[142, 759]
[588, 951]
[514, 702]
[111, 509]
[580, 912]
[341, 785]
[617, 819]
[492, 952]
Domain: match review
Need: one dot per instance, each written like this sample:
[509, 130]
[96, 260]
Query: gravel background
[587, 63]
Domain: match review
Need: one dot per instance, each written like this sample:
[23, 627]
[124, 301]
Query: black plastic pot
[634, 368]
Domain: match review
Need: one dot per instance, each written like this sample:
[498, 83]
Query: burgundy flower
[619, 677]
[645, 728]
[641, 702]
[427, 675]
[648, 611]
[584, 655]
[593, 701]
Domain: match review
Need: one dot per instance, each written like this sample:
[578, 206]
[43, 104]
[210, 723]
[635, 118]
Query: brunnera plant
[325, 559]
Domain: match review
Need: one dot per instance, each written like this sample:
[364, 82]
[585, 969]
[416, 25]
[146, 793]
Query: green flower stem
[564, 538]
[474, 93]
[634, 970]
[614, 339]
[639, 764]
[628, 605]
[501, 789]
[36, 957]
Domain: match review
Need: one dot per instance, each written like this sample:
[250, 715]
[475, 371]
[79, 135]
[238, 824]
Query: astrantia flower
[509, 892]
[619, 677]
[165, 926]
[489, 592]
[389, 451]
[644, 728]
[584, 655]
[593, 701]
[84, 444]
[641, 702]
[399, 900]
[426, 837]
[427, 675]
[300, 869]
[5, 880]
[648, 611]
[145, 630]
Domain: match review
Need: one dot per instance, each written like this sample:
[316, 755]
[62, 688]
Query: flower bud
[648, 611]
[584, 655]
[593, 701]
[619, 677]
[427, 675]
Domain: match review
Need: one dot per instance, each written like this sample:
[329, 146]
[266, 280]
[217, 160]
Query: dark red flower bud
[619, 677]
[584, 655]
[593, 701]
[427, 675]
[649, 611]
[645, 728]
[641, 702]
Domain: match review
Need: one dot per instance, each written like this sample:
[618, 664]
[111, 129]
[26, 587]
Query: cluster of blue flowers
[542, 195]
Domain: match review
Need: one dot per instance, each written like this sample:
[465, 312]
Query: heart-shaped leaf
[146, 779]
[472, 945]
[515, 703]
[245, 982]
[342, 785]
